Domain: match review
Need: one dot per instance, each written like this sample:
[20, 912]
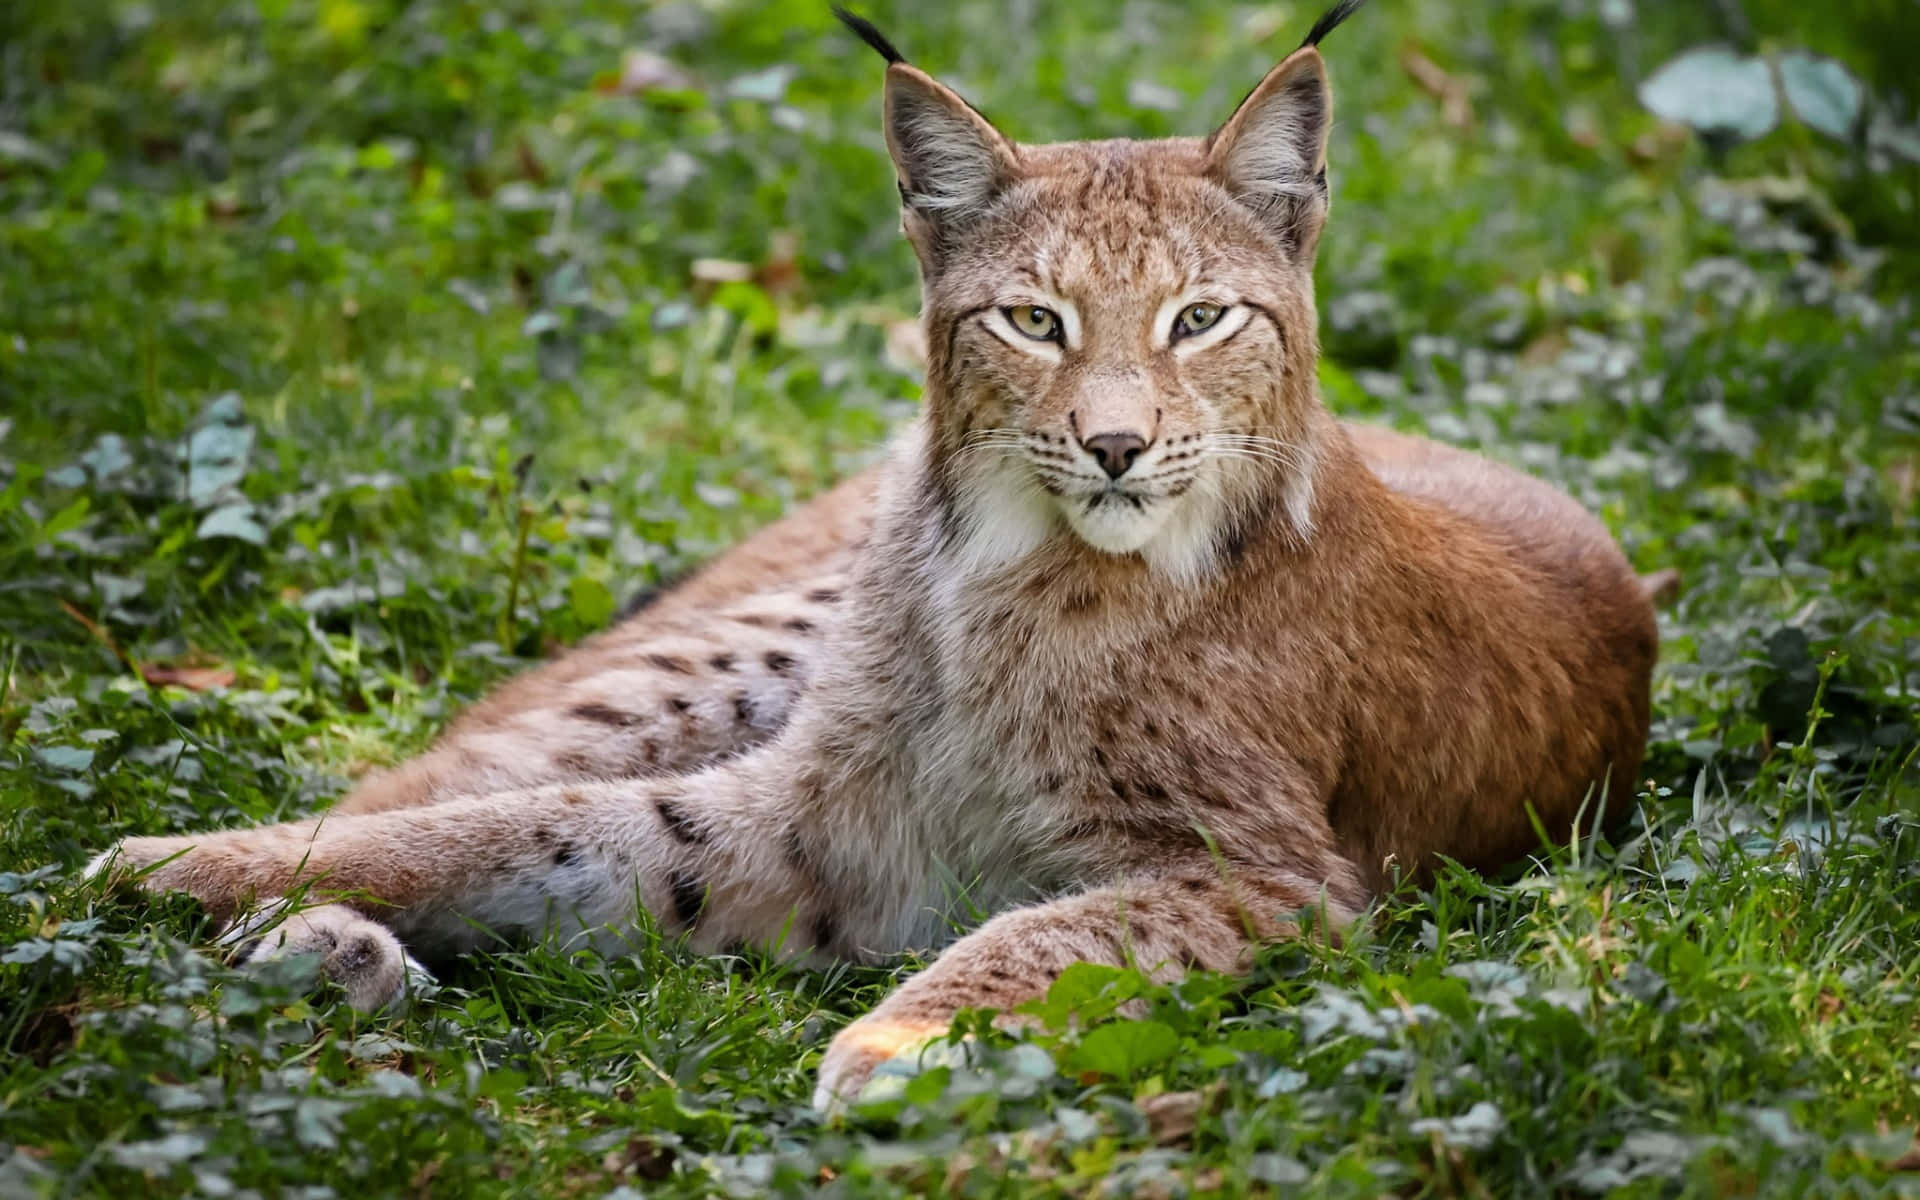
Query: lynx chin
[1129, 640]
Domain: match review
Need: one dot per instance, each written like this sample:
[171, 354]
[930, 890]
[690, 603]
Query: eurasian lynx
[1129, 639]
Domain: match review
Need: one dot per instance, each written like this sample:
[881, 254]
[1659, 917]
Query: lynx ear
[952, 162]
[1271, 155]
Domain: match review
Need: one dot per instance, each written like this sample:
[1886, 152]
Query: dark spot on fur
[757, 620]
[600, 714]
[543, 837]
[1193, 887]
[1233, 546]
[826, 932]
[743, 708]
[679, 824]
[1118, 789]
[1100, 756]
[1151, 790]
[671, 663]
[797, 625]
[824, 595]
[649, 753]
[689, 897]
[679, 704]
[1150, 728]
[794, 847]
[721, 662]
[1052, 781]
[571, 798]
[575, 762]
[566, 856]
[779, 661]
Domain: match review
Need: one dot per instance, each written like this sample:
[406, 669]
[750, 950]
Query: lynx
[1129, 642]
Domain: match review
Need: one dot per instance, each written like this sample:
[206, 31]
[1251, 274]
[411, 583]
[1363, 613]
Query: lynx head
[1121, 334]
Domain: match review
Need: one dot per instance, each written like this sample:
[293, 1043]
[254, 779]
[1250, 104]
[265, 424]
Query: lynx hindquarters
[1129, 642]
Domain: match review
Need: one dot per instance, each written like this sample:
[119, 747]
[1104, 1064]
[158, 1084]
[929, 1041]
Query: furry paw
[131, 857]
[226, 871]
[859, 1049]
[362, 956]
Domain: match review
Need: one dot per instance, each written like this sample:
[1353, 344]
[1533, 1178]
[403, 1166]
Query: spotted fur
[1155, 716]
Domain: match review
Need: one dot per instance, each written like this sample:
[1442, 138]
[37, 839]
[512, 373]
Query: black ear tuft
[1321, 28]
[868, 34]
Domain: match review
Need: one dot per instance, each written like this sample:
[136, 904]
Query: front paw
[363, 957]
[210, 867]
[133, 860]
[860, 1049]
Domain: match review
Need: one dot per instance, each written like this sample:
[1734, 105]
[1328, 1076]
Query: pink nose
[1114, 452]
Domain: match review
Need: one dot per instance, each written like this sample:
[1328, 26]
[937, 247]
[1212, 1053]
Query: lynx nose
[1115, 452]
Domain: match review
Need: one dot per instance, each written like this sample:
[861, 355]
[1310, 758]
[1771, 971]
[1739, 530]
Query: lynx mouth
[1118, 496]
[1117, 520]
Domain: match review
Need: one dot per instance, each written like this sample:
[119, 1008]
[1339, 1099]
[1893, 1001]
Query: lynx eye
[1040, 324]
[1196, 318]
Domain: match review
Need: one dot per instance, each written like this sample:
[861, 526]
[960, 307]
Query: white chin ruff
[1117, 526]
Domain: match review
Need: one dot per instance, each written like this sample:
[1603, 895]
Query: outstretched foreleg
[1203, 914]
[712, 855]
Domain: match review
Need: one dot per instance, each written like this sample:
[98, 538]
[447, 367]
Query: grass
[356, 353]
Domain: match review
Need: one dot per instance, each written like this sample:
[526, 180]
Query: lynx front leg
[1203, 915]
[710, 854]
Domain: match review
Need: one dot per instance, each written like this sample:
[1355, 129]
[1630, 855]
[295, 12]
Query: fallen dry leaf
[1171, 1116]
[721, 270]
[644, 71]
[1663, 142]
[1456, 106]
[777, 275]
[1910, 1161]
[1904, 477]
[194, 679]
[780, 273]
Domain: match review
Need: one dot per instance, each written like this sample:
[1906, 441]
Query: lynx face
[1121, 333]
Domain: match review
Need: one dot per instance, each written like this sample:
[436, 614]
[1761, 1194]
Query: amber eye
[1035, 322]
[1196, 318]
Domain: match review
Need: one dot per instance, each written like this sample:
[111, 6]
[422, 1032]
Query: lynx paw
[859, 1049]
[224, 871]
[362, 956]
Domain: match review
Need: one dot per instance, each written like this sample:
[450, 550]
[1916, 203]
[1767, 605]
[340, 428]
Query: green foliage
[355, 353]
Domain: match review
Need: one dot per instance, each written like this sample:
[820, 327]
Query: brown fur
[1272, 666]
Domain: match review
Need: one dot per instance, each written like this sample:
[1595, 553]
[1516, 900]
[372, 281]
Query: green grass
[407, 296]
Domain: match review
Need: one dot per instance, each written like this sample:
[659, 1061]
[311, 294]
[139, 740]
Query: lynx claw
[362, 956]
